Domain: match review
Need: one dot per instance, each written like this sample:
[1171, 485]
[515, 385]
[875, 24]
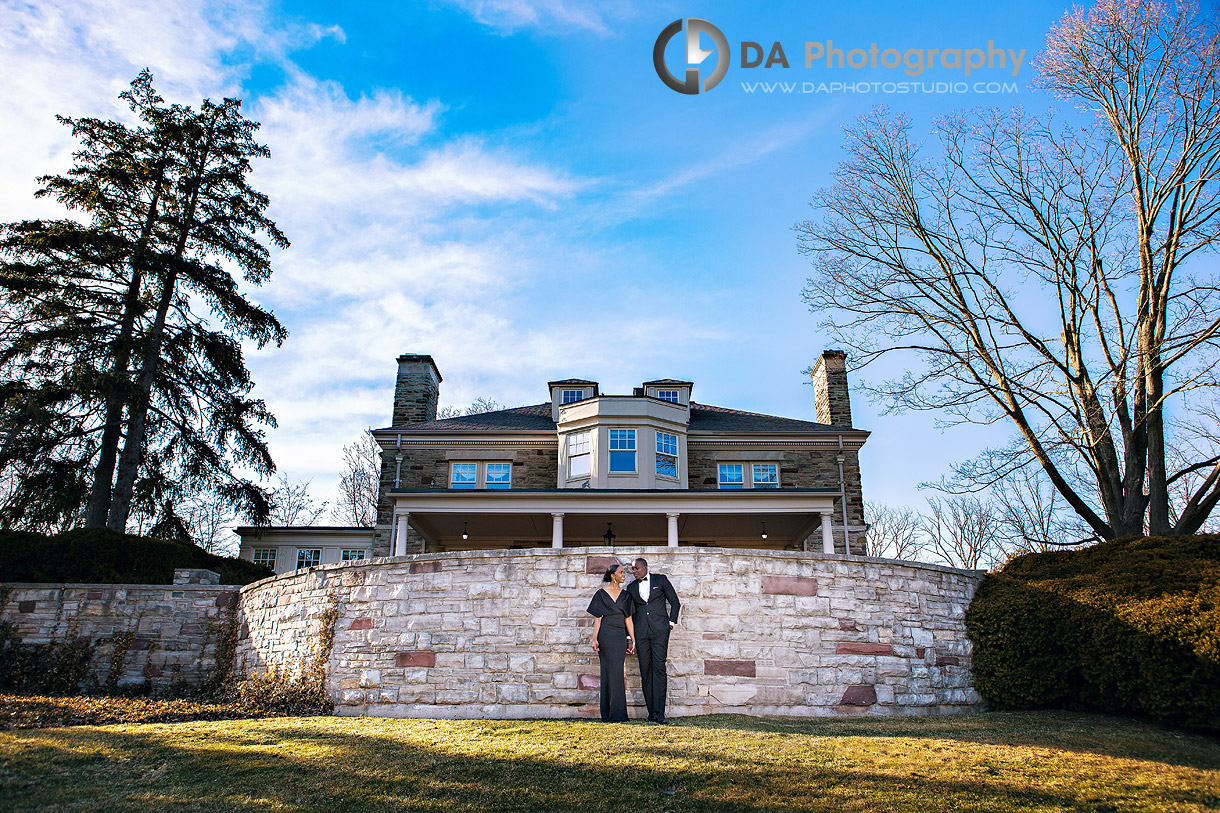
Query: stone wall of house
[798, 468]
[534, 466]
[505, 633]
[158, 636]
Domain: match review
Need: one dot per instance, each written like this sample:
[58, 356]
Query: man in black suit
[651, 592]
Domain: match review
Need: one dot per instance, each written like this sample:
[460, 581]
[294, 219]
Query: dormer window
[668, 395]
[571, 396]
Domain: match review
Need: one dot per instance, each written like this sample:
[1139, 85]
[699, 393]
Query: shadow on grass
[1080, 733]
[319, 764]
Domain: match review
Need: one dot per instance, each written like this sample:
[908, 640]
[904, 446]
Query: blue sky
[508, 186]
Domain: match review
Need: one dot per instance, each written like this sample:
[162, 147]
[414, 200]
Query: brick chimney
[829, 376]
[416, 391]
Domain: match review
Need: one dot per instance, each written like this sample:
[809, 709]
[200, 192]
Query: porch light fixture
[608, 536]
[464, 534]
[764, 533]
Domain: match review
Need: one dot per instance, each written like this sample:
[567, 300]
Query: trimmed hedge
[104, 556]
[1128, 626]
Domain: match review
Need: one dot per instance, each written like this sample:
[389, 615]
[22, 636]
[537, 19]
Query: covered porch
[447, 520]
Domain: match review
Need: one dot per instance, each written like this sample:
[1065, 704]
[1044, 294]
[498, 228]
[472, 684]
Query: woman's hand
[631, 648]
[596, 648]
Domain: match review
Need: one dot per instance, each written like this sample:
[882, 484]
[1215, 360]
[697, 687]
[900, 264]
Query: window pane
[622, 461]
[667, 444]
[352, 556]
[464, 475]
[570, 396]
[731, 475]
[766, 475]
[499, 475]
[668, 395]
[667, 466]
[578, 466]
[308, 558]
[265, 556]
[622, 439]
[578, 443]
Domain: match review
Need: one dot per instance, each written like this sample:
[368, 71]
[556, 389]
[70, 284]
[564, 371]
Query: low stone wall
[159, 636]
[505, 633]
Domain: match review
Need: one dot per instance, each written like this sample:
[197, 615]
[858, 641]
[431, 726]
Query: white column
[828, 538]
[556, 530]
[673, 529]
[400, 535]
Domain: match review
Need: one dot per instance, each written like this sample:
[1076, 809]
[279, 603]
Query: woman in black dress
[613, 640]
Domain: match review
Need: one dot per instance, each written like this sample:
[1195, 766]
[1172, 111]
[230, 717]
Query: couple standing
[633, 620]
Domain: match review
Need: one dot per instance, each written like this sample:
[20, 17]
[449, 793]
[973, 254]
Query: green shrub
[1129, 626]
[104, 556]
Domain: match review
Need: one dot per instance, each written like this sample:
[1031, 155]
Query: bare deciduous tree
[962, 531]
[893, 531]
[1036, 268]
[478, 407]
[359, 484]
[292, 504]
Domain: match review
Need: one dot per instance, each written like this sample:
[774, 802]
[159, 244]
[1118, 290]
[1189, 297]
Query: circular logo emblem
[694, 55]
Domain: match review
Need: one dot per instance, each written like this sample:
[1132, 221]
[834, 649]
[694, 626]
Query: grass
[997, 761]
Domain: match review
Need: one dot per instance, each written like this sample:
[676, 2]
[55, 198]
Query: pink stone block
[947, 660]
[415, 659]
[590, 683]
[847, 624]
[596, 565]
[425, 567]
[789, 586]
[713, 636]
[731, 668]
[361, 624]
[864, 695]
[860, 648]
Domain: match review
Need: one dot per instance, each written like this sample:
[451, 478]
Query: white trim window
[308, 557]
[352, 555]
[571, 396]
[766, 475]
[731, 476]
[668, 395]
[265, 556]
[579, 454]
[499, 475]
[667, 455]
[464, 475]
[622, 451]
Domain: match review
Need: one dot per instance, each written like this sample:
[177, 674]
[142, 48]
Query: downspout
[398, 462]
[843, 496]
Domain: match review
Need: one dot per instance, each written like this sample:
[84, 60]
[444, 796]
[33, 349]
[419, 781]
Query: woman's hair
[610, 572]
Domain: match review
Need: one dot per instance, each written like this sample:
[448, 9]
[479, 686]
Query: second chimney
[416, 390]
[829, 376]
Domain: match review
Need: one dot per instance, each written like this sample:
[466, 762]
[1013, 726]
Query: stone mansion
[585, 468]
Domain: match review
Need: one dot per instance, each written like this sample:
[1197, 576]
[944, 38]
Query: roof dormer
[569, 391]
[669, 389]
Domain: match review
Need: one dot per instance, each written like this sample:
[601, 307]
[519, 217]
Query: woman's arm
[597, 625]
[630, 636]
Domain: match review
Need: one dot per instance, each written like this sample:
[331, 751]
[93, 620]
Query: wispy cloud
[548, 16]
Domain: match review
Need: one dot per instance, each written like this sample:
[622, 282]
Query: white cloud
[552, 16]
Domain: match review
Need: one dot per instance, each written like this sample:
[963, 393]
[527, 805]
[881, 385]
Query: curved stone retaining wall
[505, 633]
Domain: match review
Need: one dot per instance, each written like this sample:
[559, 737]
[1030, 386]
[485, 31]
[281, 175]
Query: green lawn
[984, 762]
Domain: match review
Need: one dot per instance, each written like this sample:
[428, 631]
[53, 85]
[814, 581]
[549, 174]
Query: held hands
[631, 648]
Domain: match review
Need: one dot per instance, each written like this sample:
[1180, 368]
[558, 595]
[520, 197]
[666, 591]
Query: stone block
[26, 606]
[738, 668]
[544, 618]
[789, 585]
[425, 567]
[597, 565]
[732, 695]
[589, 683]
[862, 648]
[370, 678]
[513, 693]
[361, 624]
[864, 695]
[415, 659]
[947, 660]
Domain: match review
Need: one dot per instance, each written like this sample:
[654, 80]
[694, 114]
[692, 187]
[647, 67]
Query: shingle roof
[537, 418]
[571, 381]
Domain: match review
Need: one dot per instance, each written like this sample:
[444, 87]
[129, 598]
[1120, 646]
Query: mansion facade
[584, 468]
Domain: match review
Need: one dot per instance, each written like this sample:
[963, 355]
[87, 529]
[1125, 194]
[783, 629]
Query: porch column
[400, 535]
[828, 538]
[672, 521]
[556, 530]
